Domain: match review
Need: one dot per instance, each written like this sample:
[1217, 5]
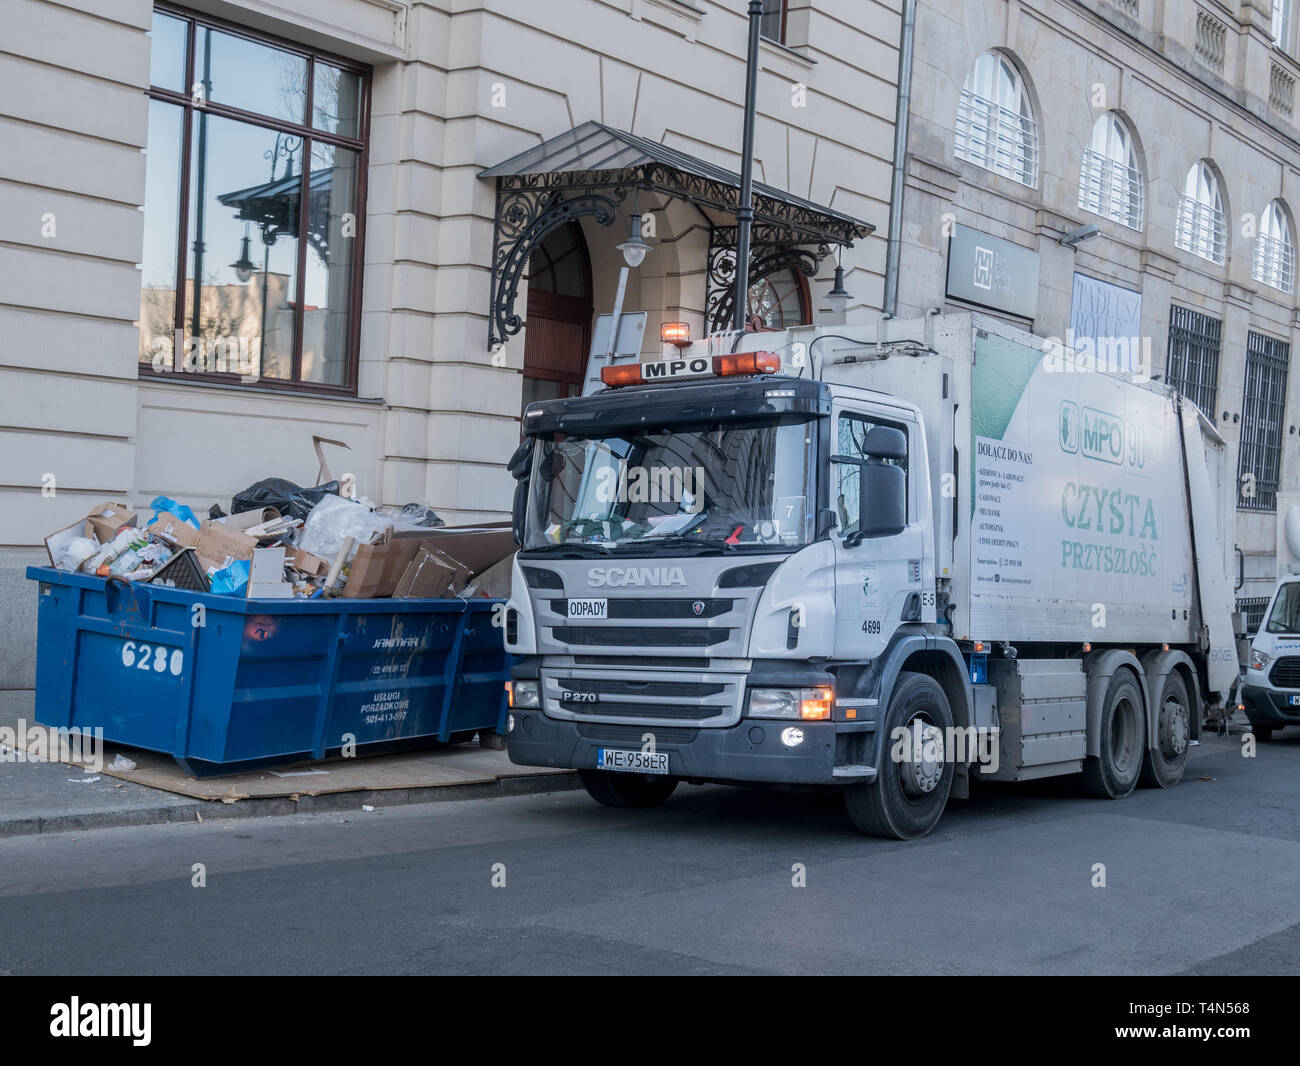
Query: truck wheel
[910, 792]
[1114, 773]
[1263, 733]
[1163, 765]
[627, 790]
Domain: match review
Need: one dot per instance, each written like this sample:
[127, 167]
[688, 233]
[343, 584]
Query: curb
[212, 810]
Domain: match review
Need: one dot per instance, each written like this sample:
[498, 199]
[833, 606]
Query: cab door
[878, 574]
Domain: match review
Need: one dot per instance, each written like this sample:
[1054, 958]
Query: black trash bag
[292, 501]
[215, 511]
[420, 515]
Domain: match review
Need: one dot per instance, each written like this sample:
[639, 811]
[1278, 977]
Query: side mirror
[518, 510]
[827, 520]
[882, 497]
[520, 467]
[885, 442]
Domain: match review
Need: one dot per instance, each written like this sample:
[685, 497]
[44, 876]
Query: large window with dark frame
[1193, 362]
[254, 208]
[772, 24]
[1259, 468]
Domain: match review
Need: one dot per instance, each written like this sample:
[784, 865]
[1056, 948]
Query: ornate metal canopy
[274, 207]
[588, 171]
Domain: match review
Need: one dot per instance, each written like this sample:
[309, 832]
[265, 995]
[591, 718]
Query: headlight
[810, 704]
[1258, 659]
[524, 694]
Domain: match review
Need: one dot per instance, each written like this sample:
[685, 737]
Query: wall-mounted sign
[992, 272]
[1106, 322]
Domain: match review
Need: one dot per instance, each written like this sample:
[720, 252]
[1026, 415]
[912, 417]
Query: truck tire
[627, 790]
[1263, 733]
[1163, 764]
[908, 796]
[1114, 773]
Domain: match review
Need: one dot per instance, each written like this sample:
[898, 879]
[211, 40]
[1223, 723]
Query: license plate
[632, 762]
[588, 609]
[1294, 701]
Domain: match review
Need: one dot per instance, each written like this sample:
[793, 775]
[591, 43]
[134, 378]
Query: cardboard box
[311, 565]
[476, 547]
[104, 521]
[378, 567]
[56, 541]
[216, 544]
[431, 575]
[173, 530]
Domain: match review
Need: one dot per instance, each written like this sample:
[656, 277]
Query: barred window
[1110, 180]
[1202, 226]
[1193, 363]
[1260, 466]
[1252, 612]
[995, 121]
[1274, 252]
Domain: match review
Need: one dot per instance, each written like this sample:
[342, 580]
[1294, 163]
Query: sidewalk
[50, 797]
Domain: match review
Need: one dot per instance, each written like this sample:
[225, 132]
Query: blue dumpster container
[225, 684]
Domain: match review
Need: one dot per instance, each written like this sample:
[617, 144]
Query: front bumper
[1269, 706]
[751, 751]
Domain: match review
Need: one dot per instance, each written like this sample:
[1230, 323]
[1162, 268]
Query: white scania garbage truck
[890, 564]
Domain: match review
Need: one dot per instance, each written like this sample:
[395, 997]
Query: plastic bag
[335, 519]
[75, 552]
[286, 497]
[162, 503]
[232, 580]
[416, 514]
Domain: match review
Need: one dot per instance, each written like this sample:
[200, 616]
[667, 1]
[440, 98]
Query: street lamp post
[745, 212]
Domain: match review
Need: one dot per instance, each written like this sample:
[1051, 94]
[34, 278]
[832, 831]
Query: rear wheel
[1163, 764]
[911, 790]
[627, 790]
[1114, 773]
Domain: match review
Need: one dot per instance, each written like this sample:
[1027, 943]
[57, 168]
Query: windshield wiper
[679, 540]
[574, 551]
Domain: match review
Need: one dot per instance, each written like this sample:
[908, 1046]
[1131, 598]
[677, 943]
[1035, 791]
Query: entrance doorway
[558, 334]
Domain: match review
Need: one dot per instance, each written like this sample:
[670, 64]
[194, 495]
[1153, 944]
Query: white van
[1271, 692]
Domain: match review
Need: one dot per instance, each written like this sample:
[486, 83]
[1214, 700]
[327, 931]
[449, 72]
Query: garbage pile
[282, 541]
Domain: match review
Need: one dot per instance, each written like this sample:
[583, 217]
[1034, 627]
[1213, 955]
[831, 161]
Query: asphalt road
[1200, 878]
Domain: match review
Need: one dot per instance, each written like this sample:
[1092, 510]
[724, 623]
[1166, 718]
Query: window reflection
[327, 288]
[246, 182]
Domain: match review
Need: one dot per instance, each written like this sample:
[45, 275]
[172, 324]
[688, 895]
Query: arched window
[779, 300]
[995, 121]
[1202, 227]
[1274, 252]
[1110, 180]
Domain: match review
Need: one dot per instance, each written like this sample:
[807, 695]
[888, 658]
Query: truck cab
[1271, 691]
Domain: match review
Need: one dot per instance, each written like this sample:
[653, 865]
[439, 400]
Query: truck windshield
[730, 486]
[1285, 615]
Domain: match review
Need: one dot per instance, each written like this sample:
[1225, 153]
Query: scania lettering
[890, 543]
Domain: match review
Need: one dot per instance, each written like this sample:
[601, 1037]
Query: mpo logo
[1095, 434]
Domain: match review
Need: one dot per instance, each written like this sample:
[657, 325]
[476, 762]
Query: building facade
[1171, 128]
[231, 226]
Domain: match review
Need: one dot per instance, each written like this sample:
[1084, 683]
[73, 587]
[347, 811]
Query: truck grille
[1286, 672]
[632, 734]
[639, 636]
[657, 696]
[660, 608]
